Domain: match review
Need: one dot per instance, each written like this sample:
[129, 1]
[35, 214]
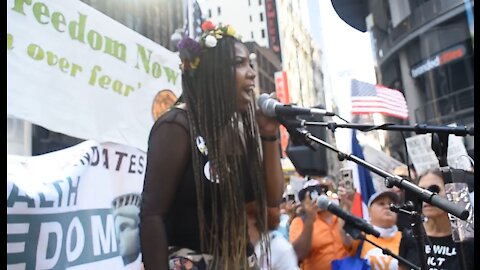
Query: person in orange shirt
[316, 233]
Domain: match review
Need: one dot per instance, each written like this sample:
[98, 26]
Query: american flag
[370, 98]
[193, 19]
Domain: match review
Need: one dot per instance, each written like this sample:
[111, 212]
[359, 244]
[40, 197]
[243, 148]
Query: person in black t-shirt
[441, 252]
[209, 157]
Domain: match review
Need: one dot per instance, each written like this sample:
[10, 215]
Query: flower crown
[189, 49]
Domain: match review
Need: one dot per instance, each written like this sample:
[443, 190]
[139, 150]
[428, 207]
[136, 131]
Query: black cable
[378, 127]
[406, 155]
[342, 118]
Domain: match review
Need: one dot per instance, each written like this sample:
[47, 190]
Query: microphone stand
[296, 128]
[417, 228]
[417, 128]
[394, 180]
[356, 234]
[387, 251]
[439, 145]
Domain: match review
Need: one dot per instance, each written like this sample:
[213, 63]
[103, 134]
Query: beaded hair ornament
[189, 49]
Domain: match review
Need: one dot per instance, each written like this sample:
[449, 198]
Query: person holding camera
[315, 233]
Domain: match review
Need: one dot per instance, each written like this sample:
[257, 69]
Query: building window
[209, 13]
[261, 17]
[263, 33]
[416, 3]
[251, 34]
[249, 4]
[219, 11]
[259, 2]
[251, 20]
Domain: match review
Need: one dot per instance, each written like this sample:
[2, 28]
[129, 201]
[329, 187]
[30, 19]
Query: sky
[348, 53]
[350, 47]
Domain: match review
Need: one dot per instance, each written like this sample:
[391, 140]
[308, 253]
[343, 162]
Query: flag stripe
[380, 110]
[370, 98]
[193, 19]
[362, 181]
[381, 99]
[373, 108]
[376, 104]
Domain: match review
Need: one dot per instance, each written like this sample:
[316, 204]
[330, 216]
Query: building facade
[297, 53]
[266, 63]
[425, 49]
[154, 19]
[248, 17]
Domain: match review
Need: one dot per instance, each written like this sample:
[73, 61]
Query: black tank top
[181, 221]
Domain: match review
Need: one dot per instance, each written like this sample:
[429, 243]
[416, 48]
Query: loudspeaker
[306, 160]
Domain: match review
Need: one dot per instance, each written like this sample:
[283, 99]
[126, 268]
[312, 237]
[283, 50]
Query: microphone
[324, 203]
[271, 107]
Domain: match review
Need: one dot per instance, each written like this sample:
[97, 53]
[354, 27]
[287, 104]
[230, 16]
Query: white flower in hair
[210, 41]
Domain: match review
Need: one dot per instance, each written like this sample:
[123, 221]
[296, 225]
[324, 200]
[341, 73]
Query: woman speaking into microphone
[212, 154]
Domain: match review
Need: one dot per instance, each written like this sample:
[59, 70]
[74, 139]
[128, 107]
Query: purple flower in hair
[188, 48]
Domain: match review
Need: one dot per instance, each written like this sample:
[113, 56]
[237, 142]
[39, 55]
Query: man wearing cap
[316, 234]
[383, 220]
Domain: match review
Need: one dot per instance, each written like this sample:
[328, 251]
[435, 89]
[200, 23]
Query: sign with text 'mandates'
[77, 208]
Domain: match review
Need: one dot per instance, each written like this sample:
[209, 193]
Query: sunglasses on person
[433, 188]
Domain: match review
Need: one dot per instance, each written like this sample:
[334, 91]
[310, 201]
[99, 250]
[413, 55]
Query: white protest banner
[423, 157]
[457, 156]
[76, 208]
[74, 70]
[420, 151]
[381, 160]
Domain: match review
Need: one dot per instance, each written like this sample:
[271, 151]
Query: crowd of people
[212, 196]
[318, 237]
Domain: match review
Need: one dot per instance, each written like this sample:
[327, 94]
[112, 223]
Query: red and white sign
[281, 88]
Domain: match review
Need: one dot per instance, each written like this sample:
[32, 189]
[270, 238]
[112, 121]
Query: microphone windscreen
[267, 104]
[323, 202]
[262, 99]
